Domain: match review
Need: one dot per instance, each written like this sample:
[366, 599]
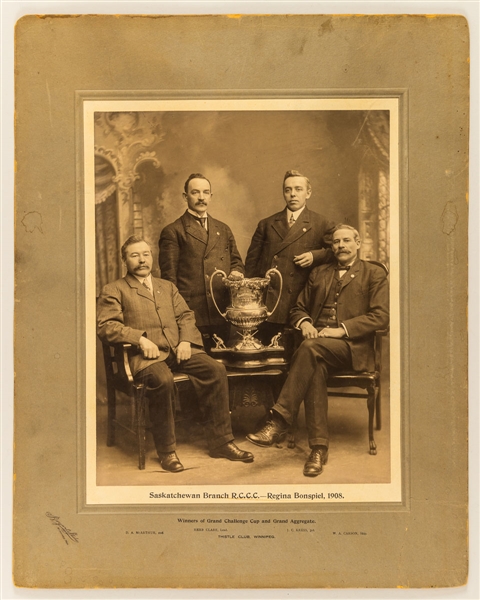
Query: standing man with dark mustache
[191, 248]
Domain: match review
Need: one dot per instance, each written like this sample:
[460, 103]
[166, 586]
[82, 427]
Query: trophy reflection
[247, 310]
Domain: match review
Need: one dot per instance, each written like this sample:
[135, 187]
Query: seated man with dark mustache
[151, 314]
[338, 312]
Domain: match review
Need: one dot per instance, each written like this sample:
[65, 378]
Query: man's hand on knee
[148, 348]
[184, 351]
[333, 332]
[308, 330]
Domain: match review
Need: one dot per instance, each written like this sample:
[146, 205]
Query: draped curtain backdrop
[122, 144]
[106, 223]
[374, 187]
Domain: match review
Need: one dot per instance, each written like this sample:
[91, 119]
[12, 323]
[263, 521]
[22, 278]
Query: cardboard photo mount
[419, 542]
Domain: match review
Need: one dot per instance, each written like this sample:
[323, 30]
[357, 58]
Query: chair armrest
[121, 356]
[117, 366]
[379, 334]
[126, 364]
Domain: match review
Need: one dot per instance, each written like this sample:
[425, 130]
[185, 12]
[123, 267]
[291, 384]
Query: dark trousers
[209, 380]
[307, 380]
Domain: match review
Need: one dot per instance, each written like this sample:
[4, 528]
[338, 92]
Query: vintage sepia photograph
[240, 301]
[242, 271]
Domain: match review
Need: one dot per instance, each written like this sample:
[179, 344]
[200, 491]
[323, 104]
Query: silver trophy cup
[247, 309]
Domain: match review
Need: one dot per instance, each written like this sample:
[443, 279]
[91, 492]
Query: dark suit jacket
[362, 306]
[274, 244]
[189, 256]
[126, 310]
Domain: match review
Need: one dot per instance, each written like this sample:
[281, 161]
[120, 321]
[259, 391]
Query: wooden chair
[370, 381]
[120, 378]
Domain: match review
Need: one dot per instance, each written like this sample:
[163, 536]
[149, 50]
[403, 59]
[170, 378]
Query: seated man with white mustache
[338, 312]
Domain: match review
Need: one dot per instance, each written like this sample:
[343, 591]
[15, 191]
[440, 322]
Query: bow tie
[340, 268]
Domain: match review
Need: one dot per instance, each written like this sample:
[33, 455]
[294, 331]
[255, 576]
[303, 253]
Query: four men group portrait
[333, 300]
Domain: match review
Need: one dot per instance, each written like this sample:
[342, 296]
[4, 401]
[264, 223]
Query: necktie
[145, 284]
[202, 221]
[291, 221]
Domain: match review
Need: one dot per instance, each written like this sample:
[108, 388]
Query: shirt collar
[147, 279]
[196, 215]
[349, 264]
[295, 214]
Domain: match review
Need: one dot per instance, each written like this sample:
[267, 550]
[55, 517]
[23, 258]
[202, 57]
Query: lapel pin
[218, 233]
[352, 275]
[304, 229]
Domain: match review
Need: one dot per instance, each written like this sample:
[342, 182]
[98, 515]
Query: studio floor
[349, 458]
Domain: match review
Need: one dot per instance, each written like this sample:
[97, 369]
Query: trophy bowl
[247, 309]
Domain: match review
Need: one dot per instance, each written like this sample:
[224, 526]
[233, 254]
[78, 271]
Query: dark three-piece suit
[359, 300]
[126, 310]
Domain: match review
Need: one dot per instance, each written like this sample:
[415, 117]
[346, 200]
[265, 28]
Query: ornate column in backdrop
[374, 186]
[123, 141]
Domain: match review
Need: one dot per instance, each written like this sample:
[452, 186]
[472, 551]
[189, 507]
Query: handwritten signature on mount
[67, 534]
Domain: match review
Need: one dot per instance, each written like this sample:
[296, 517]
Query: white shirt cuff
[300, 321]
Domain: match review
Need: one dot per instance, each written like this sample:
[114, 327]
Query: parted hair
[294, 173]
[356, 235]
[133, 239]
[195, 176]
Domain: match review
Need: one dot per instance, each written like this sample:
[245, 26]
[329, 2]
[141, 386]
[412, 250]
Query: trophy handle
[217, 272]
[267, 274]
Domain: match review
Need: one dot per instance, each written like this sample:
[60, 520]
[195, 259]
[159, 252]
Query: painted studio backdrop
[142, 160]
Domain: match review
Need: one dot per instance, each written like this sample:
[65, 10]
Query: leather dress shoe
[314, 465]
[273, 431]
[232, 452]
[170, 462]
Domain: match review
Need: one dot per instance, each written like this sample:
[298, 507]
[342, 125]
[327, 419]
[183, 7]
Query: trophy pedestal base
[254, 359]
[255, 377]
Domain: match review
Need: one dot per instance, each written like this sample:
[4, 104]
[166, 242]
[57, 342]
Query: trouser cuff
[220, 441]
[278, 408]
[318, 442]
[164, 449]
